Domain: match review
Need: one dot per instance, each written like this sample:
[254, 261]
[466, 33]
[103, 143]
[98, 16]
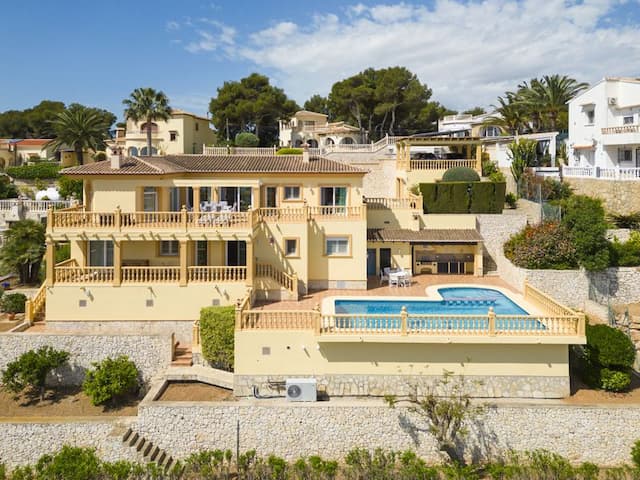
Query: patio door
[238, 196]
[236, 253]
[202, 253]
[271, 197]
[150, 199]
[371, 262]
[100, 253]
[385, 258]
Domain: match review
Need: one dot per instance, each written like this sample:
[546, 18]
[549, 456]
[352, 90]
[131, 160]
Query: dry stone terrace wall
[618, 196]
[151, 353]
[603, 435]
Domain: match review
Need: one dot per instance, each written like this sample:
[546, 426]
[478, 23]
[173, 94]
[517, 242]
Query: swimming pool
[455, 301]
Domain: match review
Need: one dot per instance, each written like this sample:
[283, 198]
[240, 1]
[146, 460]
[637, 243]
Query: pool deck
[374, 289]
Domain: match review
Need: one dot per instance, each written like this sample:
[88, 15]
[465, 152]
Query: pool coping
[432, 294]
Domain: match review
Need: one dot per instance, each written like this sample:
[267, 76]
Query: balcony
[621, 135]
[610, 173]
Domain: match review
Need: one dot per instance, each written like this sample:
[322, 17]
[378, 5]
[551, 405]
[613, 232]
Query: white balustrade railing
[621, 129]
[605, 173]
[578, 171]
[34, 205]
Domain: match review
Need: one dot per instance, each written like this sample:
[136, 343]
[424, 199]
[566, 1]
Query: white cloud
[468, 52]
[210, 34]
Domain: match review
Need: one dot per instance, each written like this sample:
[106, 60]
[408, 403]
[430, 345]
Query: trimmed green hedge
[289, 151]
[463, 197]
[217, 326]
[461, 174]
[38, 170]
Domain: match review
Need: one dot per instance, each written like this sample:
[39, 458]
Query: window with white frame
[291, 247]
[150, 199]
[491, 131]
[337, 246]
[291, 192]
[169, 248]
[625, 155]
[627, 120]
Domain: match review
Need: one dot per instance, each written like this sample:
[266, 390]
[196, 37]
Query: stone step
[182, 362]
[155, 451]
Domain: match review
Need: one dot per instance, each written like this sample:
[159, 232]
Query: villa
[17, 151]
[314, 130]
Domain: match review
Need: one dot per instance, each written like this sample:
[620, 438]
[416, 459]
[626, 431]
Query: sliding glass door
[239, 198]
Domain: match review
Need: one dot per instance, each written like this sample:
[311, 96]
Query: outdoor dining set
[398, 277]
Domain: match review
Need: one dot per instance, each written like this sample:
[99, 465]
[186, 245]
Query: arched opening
[133, 151]
[298, 143]
[347, 141]
[490, 131]
[312, 143]
[152, 126]
[143, 151]
[329, 141]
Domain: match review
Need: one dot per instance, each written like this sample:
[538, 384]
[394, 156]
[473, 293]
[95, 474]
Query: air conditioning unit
[613, 100]
[301, 389]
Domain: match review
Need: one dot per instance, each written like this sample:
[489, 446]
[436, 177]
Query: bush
[68, 188]
[497, 177]
[511, 200]
[217, 335]
[635, 454]
[462, 197]
[625, 254]
[99, 156]
[614, 380]
[460, 174]
[30, 370]
[536, 188]
[585, 220]
[289, 151]
[111, 380]
[70, 463]
[545, 246]
[7, 189]
[246, 139]
[13, 302]
[609, 347]
[630, 220]
[37, 170]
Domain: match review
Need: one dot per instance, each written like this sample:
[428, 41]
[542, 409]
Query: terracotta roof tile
[426, 235]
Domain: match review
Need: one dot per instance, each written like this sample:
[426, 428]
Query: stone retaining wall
[151, 353]
[602, 435]
[618, 196]
[24, 443]
[183, 329]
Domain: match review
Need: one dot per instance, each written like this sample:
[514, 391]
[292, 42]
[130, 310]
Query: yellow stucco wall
[446, 221]
[299, 353]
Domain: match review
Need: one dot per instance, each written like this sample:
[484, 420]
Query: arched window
[133, 151]
[490, 131]
[312, 143]
[329, 141]
[143, 151]
[152, 126]
[347, 141]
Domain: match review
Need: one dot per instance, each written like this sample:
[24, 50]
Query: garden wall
[619, 197]
[331, 429]
[151, 353]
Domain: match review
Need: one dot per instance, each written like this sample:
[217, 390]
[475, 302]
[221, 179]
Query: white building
[604, 131]
[315, 130]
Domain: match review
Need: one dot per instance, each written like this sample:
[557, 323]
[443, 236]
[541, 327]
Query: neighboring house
[183, 133]
[604, 131]
[315, 130]
[15, 151]
[465, 125]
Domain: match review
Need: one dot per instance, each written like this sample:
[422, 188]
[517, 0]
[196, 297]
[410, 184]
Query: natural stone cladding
[183, 330]
[379, 385]
[24, 443]
[618, 196]
[150, 353]
[596, 434]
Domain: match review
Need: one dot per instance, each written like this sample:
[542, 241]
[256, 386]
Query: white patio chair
[406, 278]
[394, 279]
[384, 277]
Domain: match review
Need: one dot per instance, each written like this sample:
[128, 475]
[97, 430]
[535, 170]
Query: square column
[50, 260]
[183, 244]
[250, 263]
[117, 263]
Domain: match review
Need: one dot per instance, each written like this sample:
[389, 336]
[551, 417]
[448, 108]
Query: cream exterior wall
[299, 353]
[448, 221]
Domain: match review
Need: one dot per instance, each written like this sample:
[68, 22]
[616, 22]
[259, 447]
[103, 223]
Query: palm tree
[149, 105]
[80, 128]
[23, 249]
[509, 115]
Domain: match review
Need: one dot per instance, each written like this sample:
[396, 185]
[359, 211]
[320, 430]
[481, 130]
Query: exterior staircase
[182, 356]
[287, 283]
[147, 450]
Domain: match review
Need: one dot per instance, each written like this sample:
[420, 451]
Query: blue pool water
[456, 301]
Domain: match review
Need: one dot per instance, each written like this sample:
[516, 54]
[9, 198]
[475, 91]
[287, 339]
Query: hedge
[289, 151]
[463, 197]
[217, 326]
[461, 174]
[38, 170]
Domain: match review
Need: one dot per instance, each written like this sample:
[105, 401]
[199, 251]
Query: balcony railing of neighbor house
[559, 321]
[34, 205]
[208, 274]
[411, 202]
[247, 151]
[621, 129]
[442, 163]
[266, 270]
[608, 173]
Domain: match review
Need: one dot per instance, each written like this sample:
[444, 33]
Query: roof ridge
[148, 164]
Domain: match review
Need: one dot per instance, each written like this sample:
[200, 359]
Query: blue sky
[468, 52]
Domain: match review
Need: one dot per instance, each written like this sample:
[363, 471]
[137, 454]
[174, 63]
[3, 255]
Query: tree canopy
[251, 105]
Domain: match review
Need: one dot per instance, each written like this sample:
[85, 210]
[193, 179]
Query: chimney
[116, 159]
[305, 153]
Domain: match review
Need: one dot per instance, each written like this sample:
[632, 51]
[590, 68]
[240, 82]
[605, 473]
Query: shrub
[289, 151]
[511, 200]
[3, 472]
[68, 188]
[122, 470]
[614, 380]
[246, 139]
[630, 220]
[37, 170]
[584, 218]
[40, 184]
[635, 454]
[522, 155]
[30, 370]
[609, 347]
[70, 463]
[460, 174]
[534, 187]
[497, 177]
[545, 246]
[99, 156]
[462, 197]
[625, 254]
[217, 334]
[110, 380]
[13, 302]
[7, 189]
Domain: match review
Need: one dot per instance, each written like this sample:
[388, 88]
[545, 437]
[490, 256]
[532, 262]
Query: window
[173, 136]
[291, 247]
[150, 199]
[625, 155]
[590, 115]
[337, 246]
[197, 126]
[309, 123]
[291, 192]
[491, 131]
[169, 248]
[335, 197]
[202, 253]
[100, 253]
[628, 120]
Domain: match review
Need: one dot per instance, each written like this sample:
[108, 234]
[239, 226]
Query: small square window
[169, 248]
[173, 136]
[628, 120]
[291, 192]
[337, 246]
[290, 247]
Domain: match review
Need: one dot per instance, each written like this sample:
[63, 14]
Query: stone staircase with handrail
[288, 282]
